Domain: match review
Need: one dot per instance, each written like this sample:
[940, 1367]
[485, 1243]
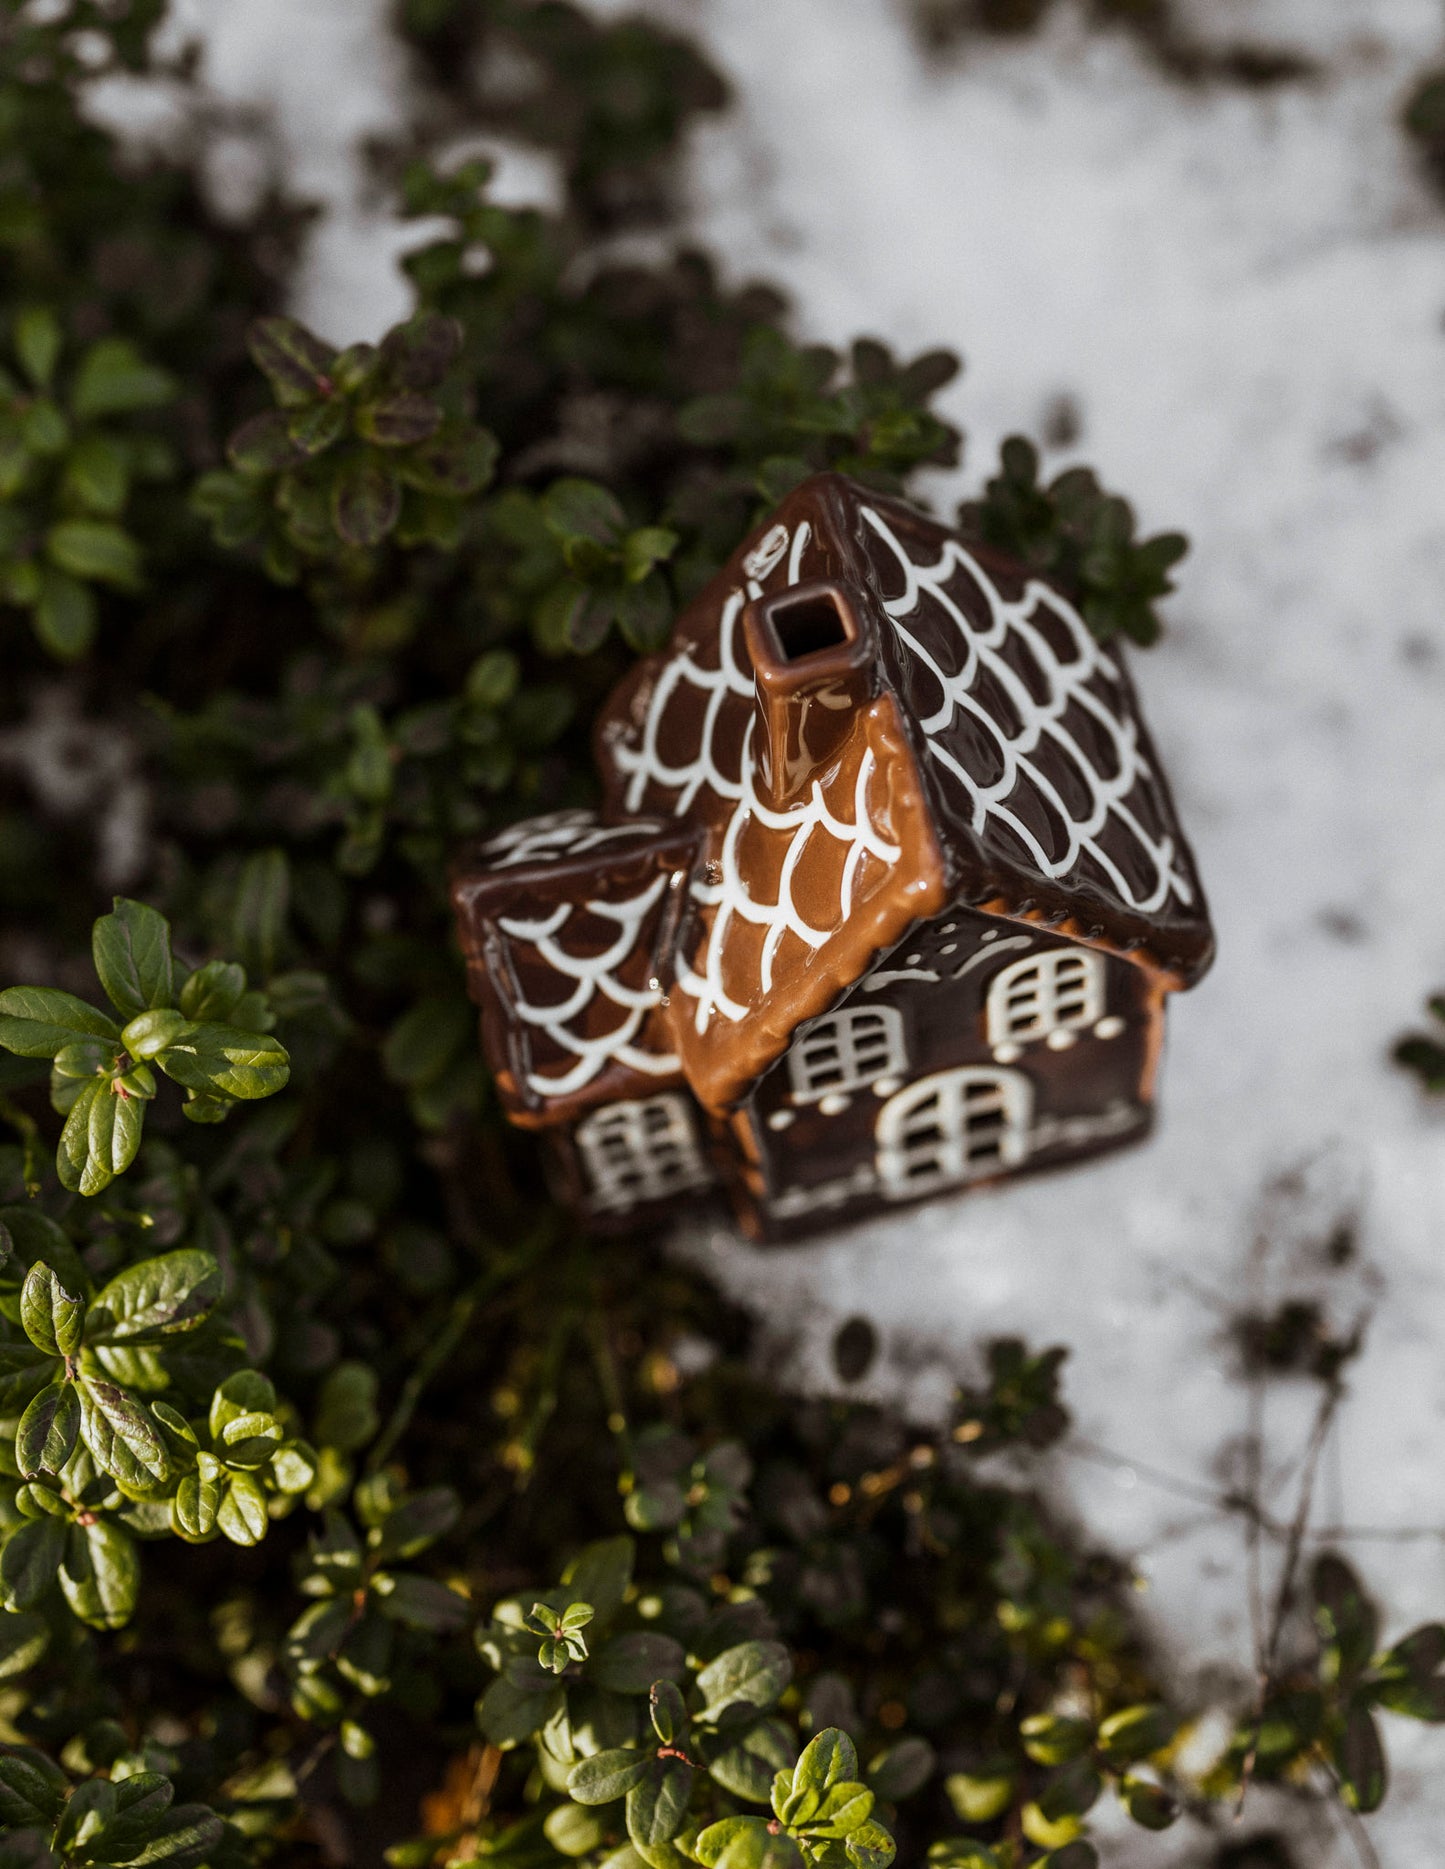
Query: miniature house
[884, 897]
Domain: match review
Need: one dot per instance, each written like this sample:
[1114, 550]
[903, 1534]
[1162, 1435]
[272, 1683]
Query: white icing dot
[885, 1086]
[1007, 1054]
[913, 960]
[780, 1119]
[949, 928]
[834, 1103]
[949, 947]
[1061, 1041]
[1109, 1028]
[991, 935]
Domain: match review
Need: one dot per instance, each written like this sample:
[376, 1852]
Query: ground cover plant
[349, 1498]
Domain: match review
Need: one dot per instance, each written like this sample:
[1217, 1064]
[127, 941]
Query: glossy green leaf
[214, 991]
[39, 1021]
[32, 1788]
[88, 1809]
[114, 379]
[1148, 1804]
[366, 501]
[902, 1770]
[749, 1766]
[119, 1432]
[133, 959]
[52, 1318]
[114, 1127]
[258, 919]
[1345, 1616]
[241, 1516]
[73, 1162]
[752, 1672]
[196, 1504]
[65, 614]
[23, 1371]
[1054, 1739]
[1134, 1733]
[656, 1805]
[629, 1664]
[420, 1519]
[747, 1843]
[221, 1060]
[187, 1834]
[48, 1430]
[508, 1715]
[346, 1416]
[100, 1575]
[1360, 1761]
[30, 1560]
[295, 361]
[94, 549]
[601, 1574]
[607, 1775]
[24, 1638]
[421, 1603]
[157, 1298]
[38, 342]
[141, 1801]
[668, 1711]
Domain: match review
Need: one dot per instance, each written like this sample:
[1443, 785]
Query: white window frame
[953, 1127]
[1051, 991]
[846, 1051]
[637, 1152]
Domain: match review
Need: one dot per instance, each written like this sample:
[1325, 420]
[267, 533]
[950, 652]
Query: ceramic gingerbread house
[884, 898]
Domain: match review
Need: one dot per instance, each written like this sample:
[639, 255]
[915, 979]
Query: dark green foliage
[1155, 25]
[1081, 537]
[301, 1412]
[1424, 1052]
[1423, 120]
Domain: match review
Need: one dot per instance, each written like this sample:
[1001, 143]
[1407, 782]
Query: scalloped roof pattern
[1036, 748]
[1002, 758]
[572, 937]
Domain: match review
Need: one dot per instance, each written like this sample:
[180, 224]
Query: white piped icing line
[558, 834]
[592, 974]
[1075, 682]
[722, 886]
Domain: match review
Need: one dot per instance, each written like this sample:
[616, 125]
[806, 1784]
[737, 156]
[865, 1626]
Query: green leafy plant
[1161, 30]
[1424, 1052]
[67, 467]
[296, 1407]
[204, 1031]
[127, 1816]
[1079, 536]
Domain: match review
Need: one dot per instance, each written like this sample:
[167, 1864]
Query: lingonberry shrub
[350, 1499]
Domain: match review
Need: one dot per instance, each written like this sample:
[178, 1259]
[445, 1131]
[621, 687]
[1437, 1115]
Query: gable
[790, 902]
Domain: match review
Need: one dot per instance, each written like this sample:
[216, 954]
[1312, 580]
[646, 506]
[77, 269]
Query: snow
[1242, 293]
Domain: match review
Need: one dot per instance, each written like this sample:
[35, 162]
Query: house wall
[805, 1163]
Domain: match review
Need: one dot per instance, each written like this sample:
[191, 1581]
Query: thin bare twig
[1284, 1595]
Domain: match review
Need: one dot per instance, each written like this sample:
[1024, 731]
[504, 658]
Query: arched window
[846, 1051]
[639, 1152]
[952, 1127]
[1044, 995]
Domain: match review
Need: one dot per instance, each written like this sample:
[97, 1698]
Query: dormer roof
[860, 720]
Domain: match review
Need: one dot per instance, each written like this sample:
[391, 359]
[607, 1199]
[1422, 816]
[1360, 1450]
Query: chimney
[814, 656]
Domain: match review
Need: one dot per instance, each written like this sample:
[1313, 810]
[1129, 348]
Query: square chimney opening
[808, 625]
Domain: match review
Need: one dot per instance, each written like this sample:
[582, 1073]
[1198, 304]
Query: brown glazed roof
[960, 735]
[567, 926]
